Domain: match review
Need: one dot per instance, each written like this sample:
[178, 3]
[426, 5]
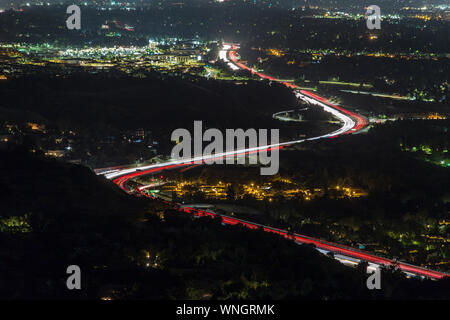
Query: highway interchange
[350, 123]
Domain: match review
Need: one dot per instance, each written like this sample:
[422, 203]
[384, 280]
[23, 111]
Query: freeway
[345, 254]
[351, 123]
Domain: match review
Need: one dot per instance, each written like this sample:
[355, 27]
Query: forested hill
[54, 215]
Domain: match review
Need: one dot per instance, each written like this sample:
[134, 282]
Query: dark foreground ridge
[58, 214]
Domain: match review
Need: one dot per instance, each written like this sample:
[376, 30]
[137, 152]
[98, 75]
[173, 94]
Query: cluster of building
[265, 191]
[69, 146]
[165, 56]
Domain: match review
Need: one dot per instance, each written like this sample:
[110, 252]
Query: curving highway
[351, 123]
